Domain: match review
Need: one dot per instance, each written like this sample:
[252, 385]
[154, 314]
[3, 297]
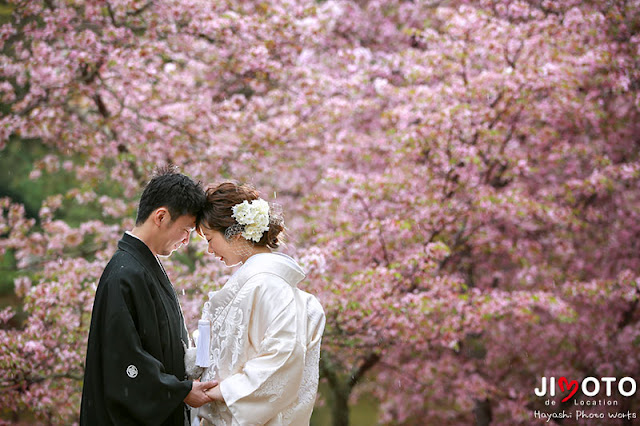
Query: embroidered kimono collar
[277, 264]
[273, 263]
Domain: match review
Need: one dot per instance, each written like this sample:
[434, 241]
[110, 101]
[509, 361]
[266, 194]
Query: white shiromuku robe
[264, 345]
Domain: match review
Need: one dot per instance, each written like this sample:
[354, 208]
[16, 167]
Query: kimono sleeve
[269, 381]
[135, 382]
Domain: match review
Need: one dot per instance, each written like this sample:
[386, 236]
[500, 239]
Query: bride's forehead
[208, 232]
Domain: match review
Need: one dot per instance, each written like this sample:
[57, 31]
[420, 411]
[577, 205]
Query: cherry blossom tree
[460, 181]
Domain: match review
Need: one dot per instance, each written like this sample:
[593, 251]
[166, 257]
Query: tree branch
[369, 362]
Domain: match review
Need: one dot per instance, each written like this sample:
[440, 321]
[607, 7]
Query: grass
[5, 12]
[364, 413]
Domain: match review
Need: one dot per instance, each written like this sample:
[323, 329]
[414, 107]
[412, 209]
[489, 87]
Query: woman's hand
[215, 394]
[198, 395]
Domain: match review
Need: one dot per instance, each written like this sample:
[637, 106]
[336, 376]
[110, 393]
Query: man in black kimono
[135, 373]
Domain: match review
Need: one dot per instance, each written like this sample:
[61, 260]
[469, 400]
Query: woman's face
[220, 247]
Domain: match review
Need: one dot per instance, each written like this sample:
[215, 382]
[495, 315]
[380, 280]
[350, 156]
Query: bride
[259, 336]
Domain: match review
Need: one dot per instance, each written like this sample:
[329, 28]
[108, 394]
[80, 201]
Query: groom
[135, 371]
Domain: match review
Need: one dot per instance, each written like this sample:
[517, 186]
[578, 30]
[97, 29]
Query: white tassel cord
[204, 337]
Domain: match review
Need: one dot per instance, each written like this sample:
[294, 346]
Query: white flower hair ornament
[253, 219]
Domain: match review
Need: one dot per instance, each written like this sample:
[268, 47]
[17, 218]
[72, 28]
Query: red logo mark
[566, 385]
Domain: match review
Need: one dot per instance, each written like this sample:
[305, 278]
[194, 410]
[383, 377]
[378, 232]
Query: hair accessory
[254, 216]
[253, 219]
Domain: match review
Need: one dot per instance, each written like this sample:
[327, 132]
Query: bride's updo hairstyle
[217, 214]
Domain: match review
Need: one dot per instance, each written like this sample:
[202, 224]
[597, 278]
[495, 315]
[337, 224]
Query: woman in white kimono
[259, 336]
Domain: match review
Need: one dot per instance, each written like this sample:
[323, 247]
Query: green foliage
[5, 12]
[18, 160]
[8, 272]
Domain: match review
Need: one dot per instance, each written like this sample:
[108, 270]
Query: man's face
[175, 233]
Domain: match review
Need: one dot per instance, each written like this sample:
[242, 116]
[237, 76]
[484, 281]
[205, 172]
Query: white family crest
[132, 371]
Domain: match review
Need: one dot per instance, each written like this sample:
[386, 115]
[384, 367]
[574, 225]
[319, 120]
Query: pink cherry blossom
[459, 179]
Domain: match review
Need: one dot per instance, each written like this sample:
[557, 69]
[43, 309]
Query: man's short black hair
[173, 190]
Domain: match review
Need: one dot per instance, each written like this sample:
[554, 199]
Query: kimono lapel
[150, 262]
[141, 252]
[271, 263]
[222, 298]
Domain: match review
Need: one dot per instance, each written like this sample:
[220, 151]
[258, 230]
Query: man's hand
[197, 397]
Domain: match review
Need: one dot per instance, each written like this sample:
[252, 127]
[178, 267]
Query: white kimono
[264, 345]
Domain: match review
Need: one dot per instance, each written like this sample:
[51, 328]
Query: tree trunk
[340, 406]
[341, 385]
[482, 412]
